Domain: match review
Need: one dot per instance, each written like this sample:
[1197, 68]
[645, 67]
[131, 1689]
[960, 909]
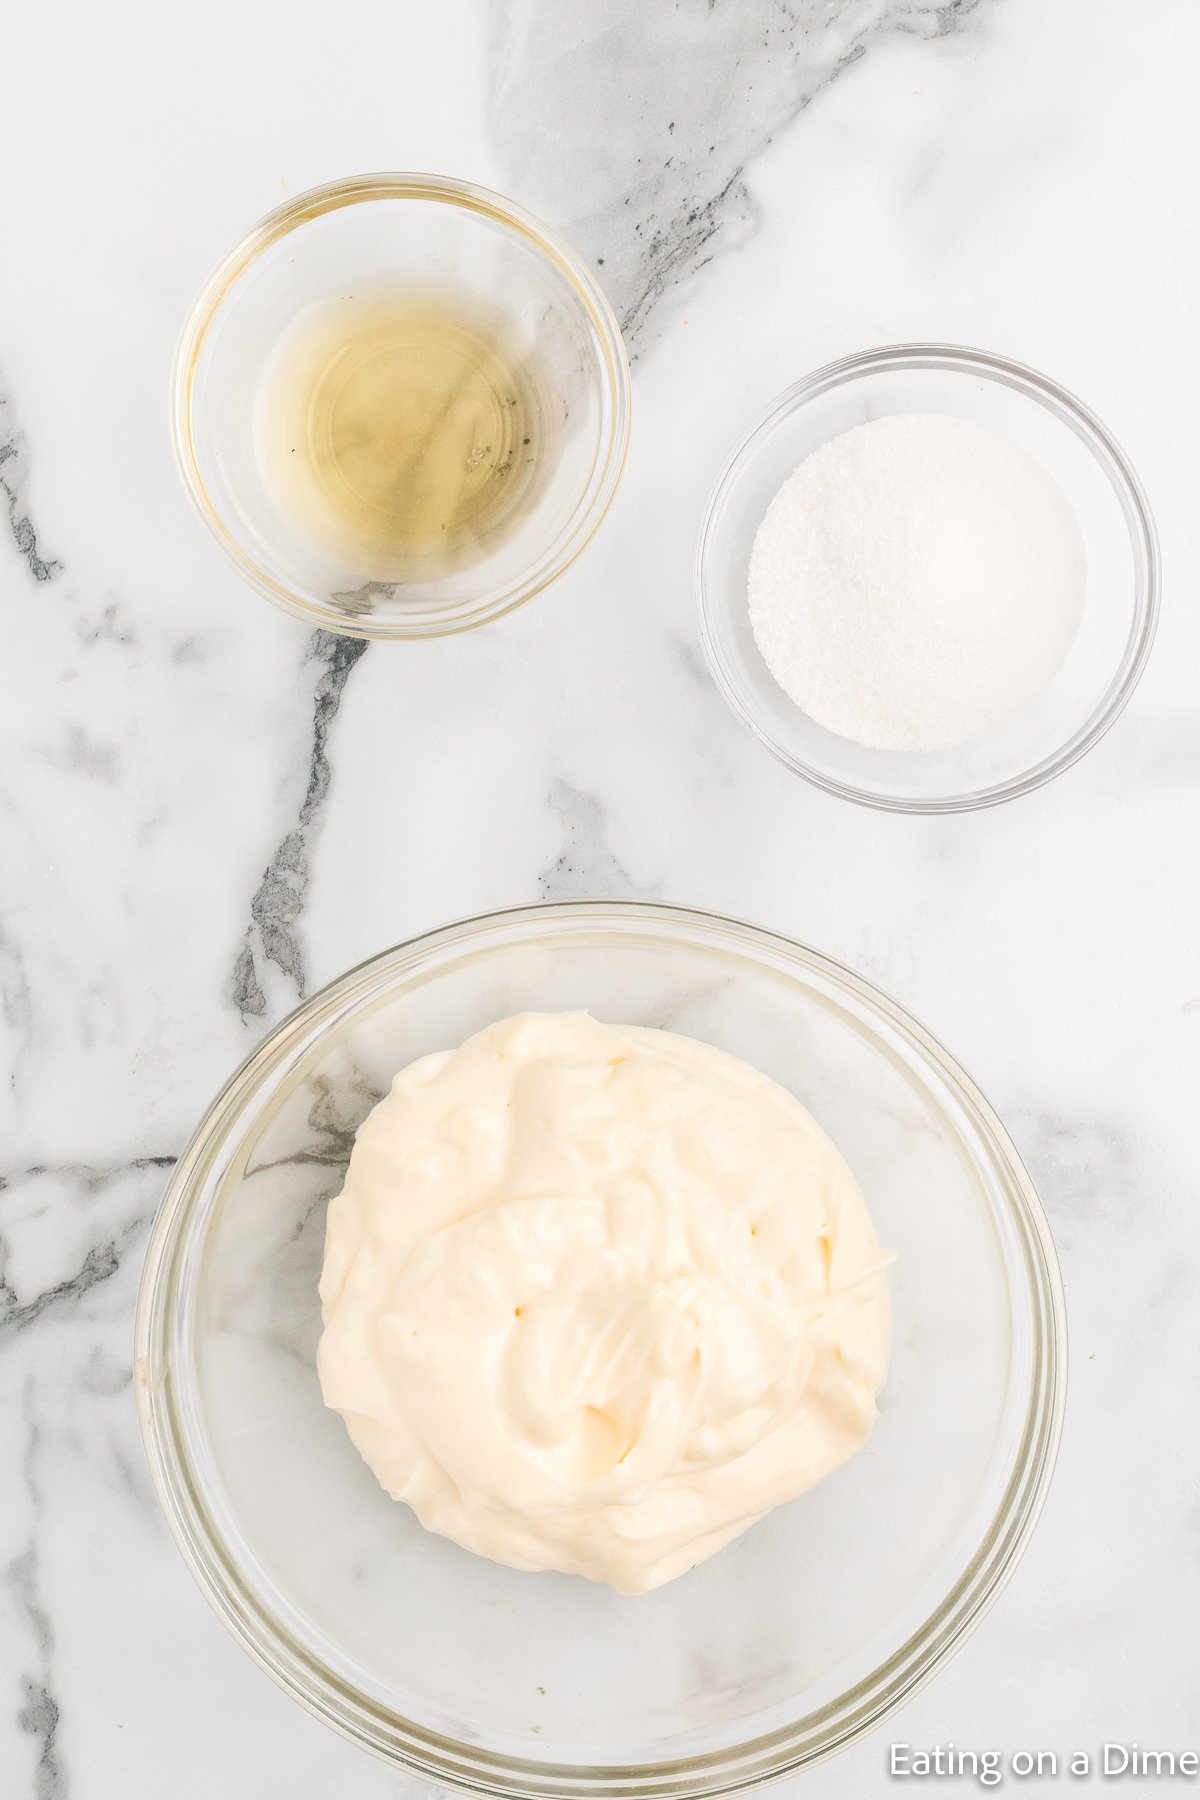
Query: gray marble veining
[701, 88]
[273, 935]
[38, 1715]
[585, 867]
[109, 1228]
[14, 477]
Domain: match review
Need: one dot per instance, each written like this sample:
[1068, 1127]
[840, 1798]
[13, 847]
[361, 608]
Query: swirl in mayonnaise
[597, 1297]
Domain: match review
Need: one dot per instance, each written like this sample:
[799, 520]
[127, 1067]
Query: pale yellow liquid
[403, 432]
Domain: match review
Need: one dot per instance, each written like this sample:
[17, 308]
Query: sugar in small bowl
[927, 579]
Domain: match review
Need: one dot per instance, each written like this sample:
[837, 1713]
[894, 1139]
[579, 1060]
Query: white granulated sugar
[916, 581]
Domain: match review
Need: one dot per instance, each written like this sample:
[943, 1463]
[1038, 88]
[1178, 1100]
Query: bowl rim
[470, 1768]
[470, 197]
[1114, 464]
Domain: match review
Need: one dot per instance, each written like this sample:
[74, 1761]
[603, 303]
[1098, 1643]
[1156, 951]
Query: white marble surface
[204, 813]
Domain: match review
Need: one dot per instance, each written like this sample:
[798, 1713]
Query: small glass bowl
[791, 1643]
[1106, 659]
[368, 232]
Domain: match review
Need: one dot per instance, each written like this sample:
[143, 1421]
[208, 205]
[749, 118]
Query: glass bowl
[372, 232]
[1106, 660]
[788, 1645]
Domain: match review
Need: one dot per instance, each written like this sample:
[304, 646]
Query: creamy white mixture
[597, 1297]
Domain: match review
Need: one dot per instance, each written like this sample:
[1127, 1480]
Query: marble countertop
[206, 812]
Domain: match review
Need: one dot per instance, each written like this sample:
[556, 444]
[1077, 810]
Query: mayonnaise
[597, 1297]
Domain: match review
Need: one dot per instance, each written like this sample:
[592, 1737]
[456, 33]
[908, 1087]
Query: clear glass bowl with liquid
[803, 1634]
[416, 237]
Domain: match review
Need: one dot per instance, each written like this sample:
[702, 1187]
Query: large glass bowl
[1120, 611]
[791, 1643]
[375, 232]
